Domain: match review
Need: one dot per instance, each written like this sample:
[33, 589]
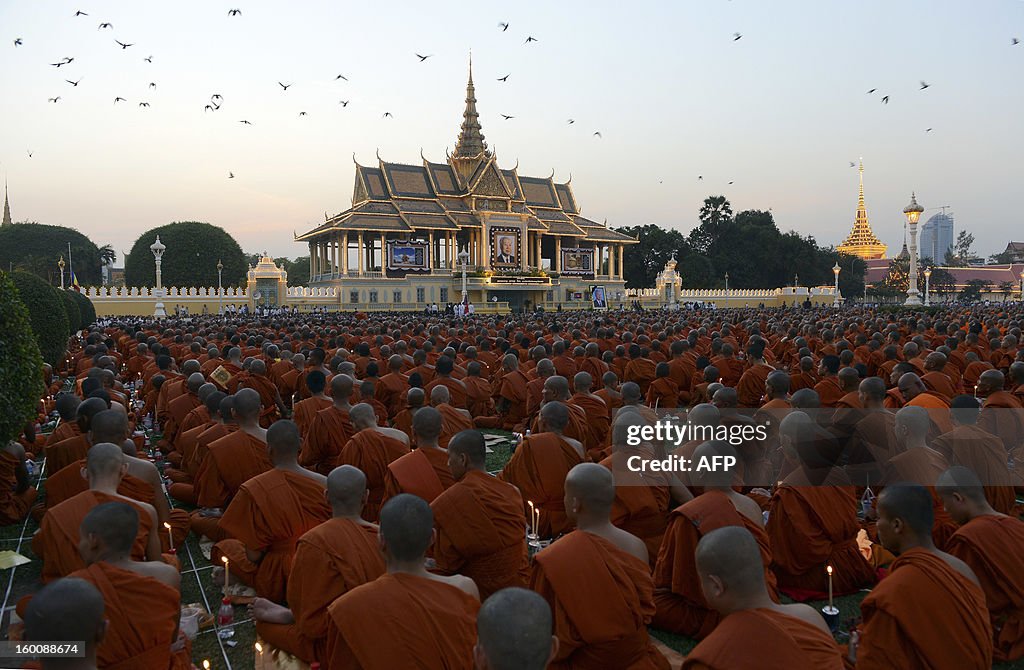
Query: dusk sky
[780, 112]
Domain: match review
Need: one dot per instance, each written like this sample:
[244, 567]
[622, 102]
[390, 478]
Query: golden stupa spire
[862, 241]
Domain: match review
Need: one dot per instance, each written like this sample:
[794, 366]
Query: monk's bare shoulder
[144, 470]
[315, 476]
[747, 507]
[959, 566]
[805, 613]
[14, 449]
[629, 543]
[159, 571]
[575, 444]
[460, 582]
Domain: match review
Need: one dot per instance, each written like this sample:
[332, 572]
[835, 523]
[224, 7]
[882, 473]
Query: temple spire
[471, 141]
[862, 241]
[7, 208]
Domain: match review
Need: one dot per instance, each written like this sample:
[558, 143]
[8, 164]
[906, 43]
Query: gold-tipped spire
[471, 140]
[862, 241]
[7, 208]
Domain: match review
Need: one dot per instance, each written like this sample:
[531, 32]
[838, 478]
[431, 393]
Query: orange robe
[330, 431]
[13, 505]
[142, 619]
[939, 384]
[512, 388]
[177, 410]
[813, 526]
[538, 468]
[992, 546]
[456, 391]
[371, 451]
[391, 390]
[663, 393]
[429, 624]
[598, 421]
[57, 539]
[678, 594]
[305, 411]
[641, 505]
[642, 371]
[478, 396]
[924, 615]
[1003, 415]
[232, 460]
[270, 513]
[829, 391]
[421, 472]
[63, 431]
[480, 532]
[330, 560]
[61, 454]
[602, 599]
[923, 466]
[452, 422]
[983, 454]
[750, 388]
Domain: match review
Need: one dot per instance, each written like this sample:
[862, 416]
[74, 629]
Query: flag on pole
[74, 280]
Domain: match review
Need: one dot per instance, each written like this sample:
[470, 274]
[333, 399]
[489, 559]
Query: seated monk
[991, 544]
[663, 393]
[68, 611]
[453, 419]
[423, 471]
[556, 389]
[305, 411]
[331, 429]
[61, 454]
[392, 387]
[67, 426]
[681, 606]
[56, 542]
[935, 380]
[509, 397]
[178, 409]
[372, 449]
[978, 451]
[598, 582]
[1002, 414]
[539, 465]
[920, 464]
[755, 631]
[513, 632]
[478, 391]
[194, 423]
[367, 394]
[479, 520]
[828, 388]
[443, 377]
[610, 393]
[268, 515]
[812, 518]
[598, 416]
[16, 495]
[143, 599]
[232, 460]
[639, 369]
[929, 612]
[414, 400]
[330, 560]
[195, 447]
[408, 617]
[270, 397]
[750, 388]
[915, 394]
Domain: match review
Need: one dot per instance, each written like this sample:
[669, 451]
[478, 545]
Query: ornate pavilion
[862, 241]
[398, 246]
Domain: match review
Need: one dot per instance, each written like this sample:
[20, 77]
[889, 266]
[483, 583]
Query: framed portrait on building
[408, 256]
[506, 245]
[577, 261]
[599, 297]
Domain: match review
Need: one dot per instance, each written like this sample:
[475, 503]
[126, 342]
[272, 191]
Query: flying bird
[105, 25]
[231, 175]
[152, 84]
[216, 96]
[924, 84]
[208, 108]
[123, 45]
[505, 78]
[284, 86]
[507, 117]
[143, 104]
[531, 38]
[598, 135]
[148, 59]
[59, 64]
[234, 12]
[53, 99]
[302, 113]
[29, 154]
[245, 122]
[885, 100]
[388, 114]
[571, 121]
[343, 103]
[852, 164]
[503, 26]
[423, 58]
[700, 178]
[730, 183]
[1014, 41]
[872, 91]
[927, 130]
[341, 76]
[73, 83]
[80, 13]
[119, 99]
[736, 37]
[17, 41]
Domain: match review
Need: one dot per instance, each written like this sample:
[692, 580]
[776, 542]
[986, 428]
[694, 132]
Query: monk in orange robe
[539, 465]
[268, 515]
[598, 583]
[456, 388]
[598, 418]
[195, 445]
[829, 390]
[937, 381]
[67, 408]
[592, 363]
[896, 633]
[67, 451]
[270, 397]
[480, 521]
[304, 412]
[509, 397]
[556, 388]
[331, 429]
[663, 393]
[750, 388]
[392, 387]
[330, 560]
[16, 495]
[180, 407]
[478, 392]
[428, 619]
[1002, 414]
[143, 599]
[916, 394]
[681, 606]
[755, 631]
[372, 449]
[57, 540]
[990, 544]
[812, 519]
[453, 420]
[639, 369]
[423, 471]
[610, 393]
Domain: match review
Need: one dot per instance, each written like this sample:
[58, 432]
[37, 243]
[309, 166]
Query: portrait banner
[599, 297]
[406, 256]
[506, 245]
[577, 261]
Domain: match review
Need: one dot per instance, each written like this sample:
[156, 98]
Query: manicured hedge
[21, 380]
[85, 307]
[46, 314]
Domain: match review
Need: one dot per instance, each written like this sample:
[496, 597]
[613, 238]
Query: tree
[107, 255]
[713, 214]
[21, 385]
[85, 308]
[645, 260]
[72, 311]
[1007, 288]
[36, 248]
[46, 315]
[961, 252]
[298, 271]
[1002, 258]
[975, 287]
[193, 250]
[943, 283]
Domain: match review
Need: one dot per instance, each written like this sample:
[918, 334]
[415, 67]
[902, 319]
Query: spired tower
[7, 208]
[861, 241]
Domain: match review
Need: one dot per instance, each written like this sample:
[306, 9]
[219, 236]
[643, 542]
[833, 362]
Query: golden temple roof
[861, 240]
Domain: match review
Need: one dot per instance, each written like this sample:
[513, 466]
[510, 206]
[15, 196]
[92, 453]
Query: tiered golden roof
[862, 241]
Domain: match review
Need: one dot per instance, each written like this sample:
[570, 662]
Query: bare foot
[217, 576]
[268, 611]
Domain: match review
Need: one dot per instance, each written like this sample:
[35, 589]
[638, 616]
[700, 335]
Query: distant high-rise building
[861, 241]
[936, 237]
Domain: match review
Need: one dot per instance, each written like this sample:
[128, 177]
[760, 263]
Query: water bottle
[225, 618]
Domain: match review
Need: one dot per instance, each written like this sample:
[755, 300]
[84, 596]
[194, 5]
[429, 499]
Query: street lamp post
[220, 289]
[60, 264]
[464, 261]
[727, 290]
[913, 214]
[927, 285]
[835, 271]
[796, 287]
[158, 252]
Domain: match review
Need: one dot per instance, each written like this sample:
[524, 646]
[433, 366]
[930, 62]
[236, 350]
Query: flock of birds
[216, 100]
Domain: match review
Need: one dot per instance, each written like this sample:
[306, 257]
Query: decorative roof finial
[7, 207]
[471, 140]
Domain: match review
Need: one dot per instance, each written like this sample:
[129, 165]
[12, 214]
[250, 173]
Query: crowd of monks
[339, 465]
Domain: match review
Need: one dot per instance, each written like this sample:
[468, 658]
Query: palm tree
[107, 255]
[715, 211]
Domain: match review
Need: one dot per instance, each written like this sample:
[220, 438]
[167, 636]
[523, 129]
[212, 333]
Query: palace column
[556, 262]
[383, 251]
[310, 261]
[611, 261]
[622, 249]
[316, 258]
[539, 235]
[361, 253]
[344, 253]
[334, 254]
[433, 252]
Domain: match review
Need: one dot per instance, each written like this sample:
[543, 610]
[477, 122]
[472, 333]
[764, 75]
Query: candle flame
[259, 647]
[206, 664]
[224, 560]
[167, 525]
[829, 570]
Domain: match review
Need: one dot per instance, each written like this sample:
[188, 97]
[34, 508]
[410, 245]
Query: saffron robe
[982, 453]
[923, 466]
[750, 388]
[371, 451]
[61, 454]
[452, 422]
[538, 468]
[305, 411]
[641, 371]
[232, 460]
[331, 430]
[14, 505]
[421, 472]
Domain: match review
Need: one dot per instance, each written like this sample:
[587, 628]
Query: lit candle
[259, 655]
[537, 524]
[227, 572]
[170, 537]
[206, 664]
[829, 570]
[533, 529]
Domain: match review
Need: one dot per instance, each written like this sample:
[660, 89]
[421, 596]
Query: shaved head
[362, 415]
[731, 555]
[406, 527]
[910, 503]
[630, 393]
[114, 524]
[558, 387]
[471, 444]
[247, 404]
[110, 425]
[514, 630]
[346, 488]
[583, 382]
[964, 481]
[205, 391]
[104, 461]
[341, 387]
[195, 381]
[426, 424]
[66, 610]
[440, 395]
[283, 440]
[555, 415]
[415, 397]
[593, 486]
